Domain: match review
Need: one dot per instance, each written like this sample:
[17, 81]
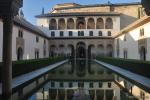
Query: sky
[31, 8]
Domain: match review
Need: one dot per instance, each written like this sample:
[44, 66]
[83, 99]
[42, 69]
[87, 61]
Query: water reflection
[79, 80]
[81, 70]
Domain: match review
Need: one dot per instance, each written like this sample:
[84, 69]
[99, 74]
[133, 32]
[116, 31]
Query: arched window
[52, 24]
[109, 23]
[100, 23]
[70, 23]
[19, 53]
[109, 33]
[91, 24]
[143, 53]
[61, 24]
[81, 23]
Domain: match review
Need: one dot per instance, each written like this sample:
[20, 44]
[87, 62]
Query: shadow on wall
[126, 20]
[124, 47]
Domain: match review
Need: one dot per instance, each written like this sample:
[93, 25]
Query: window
[109, 33]
[100, 33]
[20, 33]
[61, 84]
[52, 84]
[37, 39]
[142, 32]
[125, 53]
[109, 85]
[61, 33]
[91, 33]
[91, 85]
[142, 95]
[70, 33]
[70, 84]
[44, 41]
[80, 33]
[36, 54]
[52, 34]
[100, 85]
[109, 23]
[80, 84]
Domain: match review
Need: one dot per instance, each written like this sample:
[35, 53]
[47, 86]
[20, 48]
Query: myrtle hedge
[25, 66]
[136, 66]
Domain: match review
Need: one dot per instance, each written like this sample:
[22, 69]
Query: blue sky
[31, 8]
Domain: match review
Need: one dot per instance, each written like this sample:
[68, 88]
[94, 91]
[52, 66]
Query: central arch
[81, 50]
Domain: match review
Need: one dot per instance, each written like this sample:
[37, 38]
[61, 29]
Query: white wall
[131, 43]
[29, 44]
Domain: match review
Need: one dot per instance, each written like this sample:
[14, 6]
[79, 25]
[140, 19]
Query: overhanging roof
[79, 14]
[134, 25]
[20, 21]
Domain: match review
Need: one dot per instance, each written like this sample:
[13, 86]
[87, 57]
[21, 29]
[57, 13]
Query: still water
[79, 80]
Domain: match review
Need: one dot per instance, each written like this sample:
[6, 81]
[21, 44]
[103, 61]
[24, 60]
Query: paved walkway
[140, 80]
[26, 77]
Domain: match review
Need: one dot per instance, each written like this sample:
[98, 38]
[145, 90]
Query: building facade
[79, 31]
[85, 31]
[28, 41]
[133, 41]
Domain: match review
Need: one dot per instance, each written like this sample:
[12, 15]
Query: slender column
[75, 23]
[7, 58]
[86, 21]
[104, 95]
[66, 23]
[65, 94]
[104, 19]
[57, 23]
[95, 20]
[95, 95]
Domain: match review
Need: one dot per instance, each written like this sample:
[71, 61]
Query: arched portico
[81, 50]
[90, 51]
[71, 51]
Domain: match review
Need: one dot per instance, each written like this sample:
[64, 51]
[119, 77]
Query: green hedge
[25, 66]
[136, 66]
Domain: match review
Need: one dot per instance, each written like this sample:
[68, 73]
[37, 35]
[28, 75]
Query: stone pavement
[138, 79]
[29, 76]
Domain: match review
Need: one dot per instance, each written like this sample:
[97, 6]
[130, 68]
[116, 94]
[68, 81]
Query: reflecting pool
[79, 80]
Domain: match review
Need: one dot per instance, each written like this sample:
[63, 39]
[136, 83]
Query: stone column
[75, 23]
[8, 9]
[7, 57]
[57, 23]
[86, 21]
[104, 95]
[65, 94]
[66, 23]
[95, 20]
[104, 19]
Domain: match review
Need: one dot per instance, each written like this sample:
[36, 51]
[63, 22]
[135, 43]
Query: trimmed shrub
[26, 66]
[135, 66]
